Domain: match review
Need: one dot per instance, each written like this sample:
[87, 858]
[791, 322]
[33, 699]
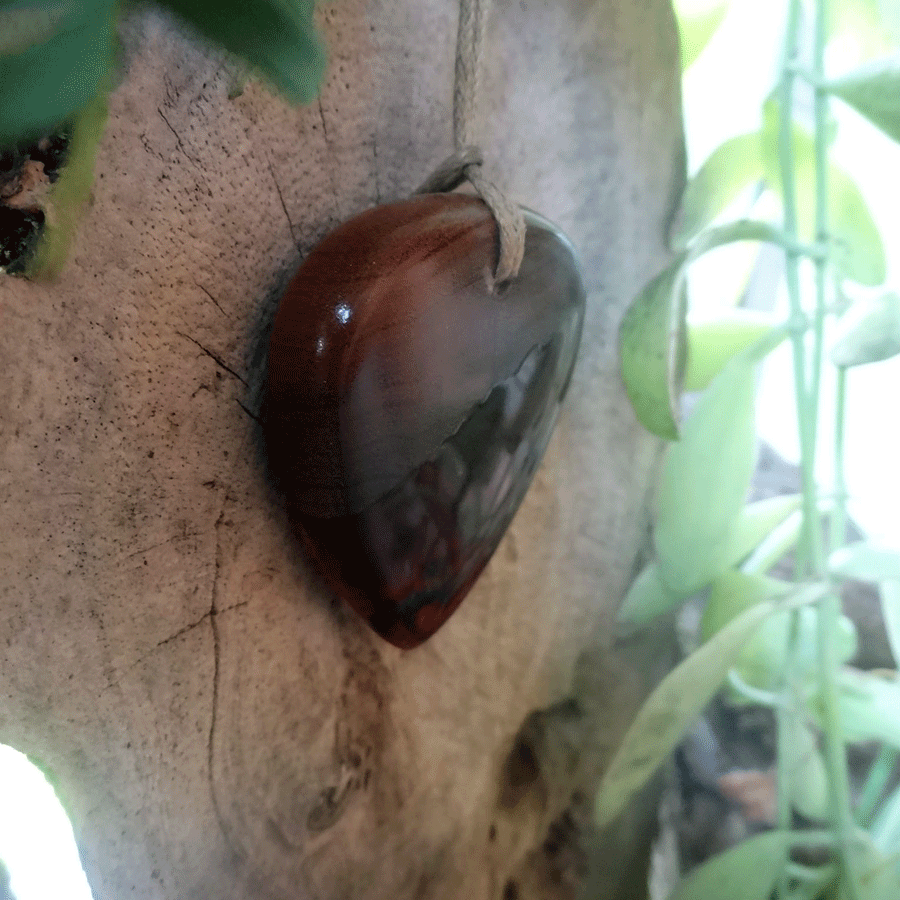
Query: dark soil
[21, 225]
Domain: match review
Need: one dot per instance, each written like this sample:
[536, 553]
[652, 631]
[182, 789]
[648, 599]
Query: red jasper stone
[408, 405]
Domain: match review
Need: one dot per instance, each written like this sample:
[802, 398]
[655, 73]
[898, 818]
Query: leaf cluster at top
[57, 63]
[56, 56]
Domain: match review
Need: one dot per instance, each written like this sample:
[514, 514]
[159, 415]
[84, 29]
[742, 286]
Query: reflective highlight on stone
[408, 406]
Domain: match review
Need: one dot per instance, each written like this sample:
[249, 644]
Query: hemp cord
[466, 164]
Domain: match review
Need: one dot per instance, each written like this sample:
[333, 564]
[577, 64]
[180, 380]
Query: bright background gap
[724, 91]
[36, 840]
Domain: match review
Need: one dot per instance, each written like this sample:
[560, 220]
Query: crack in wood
[324, 123]
[175, 537]
[182, 631]
[252, 415]
[287, 215]
[208, 294]
[375, 166]
[200, 621]
[215, 358]
[329, 152]
[179, 144]
[214, 626]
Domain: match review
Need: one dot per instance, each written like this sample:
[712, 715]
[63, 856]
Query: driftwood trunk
[216, 725]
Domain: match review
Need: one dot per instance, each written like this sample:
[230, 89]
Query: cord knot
[466, 164]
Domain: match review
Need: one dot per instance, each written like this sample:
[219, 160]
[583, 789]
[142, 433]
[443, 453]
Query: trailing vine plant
[764, 640]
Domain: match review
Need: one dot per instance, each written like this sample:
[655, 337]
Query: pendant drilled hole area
[408, 405]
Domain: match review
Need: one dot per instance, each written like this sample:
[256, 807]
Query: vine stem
[830, 608]
[807, 383]
[820, 265]
[839, 522]
[806, 398]
[876, 782]
[829, 614]
[785, 712]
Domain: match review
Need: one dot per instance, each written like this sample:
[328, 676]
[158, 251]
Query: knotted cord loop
[451, 173]
[466, 163]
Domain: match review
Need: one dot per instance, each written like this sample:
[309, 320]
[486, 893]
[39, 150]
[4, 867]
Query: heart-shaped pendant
[408, 403]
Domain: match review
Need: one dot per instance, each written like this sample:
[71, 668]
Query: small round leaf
[697, 23]
[669, 711]
[713, 342]
[868, 332]
[278, 37]
[652, 347]
[704, 480]
[745, 872]
[60, 59]
[873, 90]
[866, 561]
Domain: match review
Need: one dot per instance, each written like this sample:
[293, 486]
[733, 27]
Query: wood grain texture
[217, 726]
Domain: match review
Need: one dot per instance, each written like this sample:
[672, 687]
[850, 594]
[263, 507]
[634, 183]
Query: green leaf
[761, 662]
[806, 773]
[22, 25]
[730, 169]
[713, 342]
[781, 539]
[866, 561]
[652, 348]
[652, 337]
[730, 233]
[647, 598]
[890, 612]
[752, 159]
[745, 872]
[818, 888]
[877, 873]
[68, 197]
[61, 55]
[670, 710]
[733, 593]
[857, 248]
[756, 523]
[885, 830]
[869, 707]
[704, 481]
[873, 90]
[277, 37]
[698, 21]
[868, 332]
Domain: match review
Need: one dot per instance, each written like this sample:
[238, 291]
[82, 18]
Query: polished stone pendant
[409, 402]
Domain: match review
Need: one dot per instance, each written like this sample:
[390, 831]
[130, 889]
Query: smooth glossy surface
[408, 406]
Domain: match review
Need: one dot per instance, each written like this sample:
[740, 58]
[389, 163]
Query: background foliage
[765, 639]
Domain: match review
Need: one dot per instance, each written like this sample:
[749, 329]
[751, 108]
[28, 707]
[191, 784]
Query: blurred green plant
[765, 640]
[57, 65]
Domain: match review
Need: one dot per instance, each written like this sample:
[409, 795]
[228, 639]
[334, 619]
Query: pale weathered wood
[217, 726]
